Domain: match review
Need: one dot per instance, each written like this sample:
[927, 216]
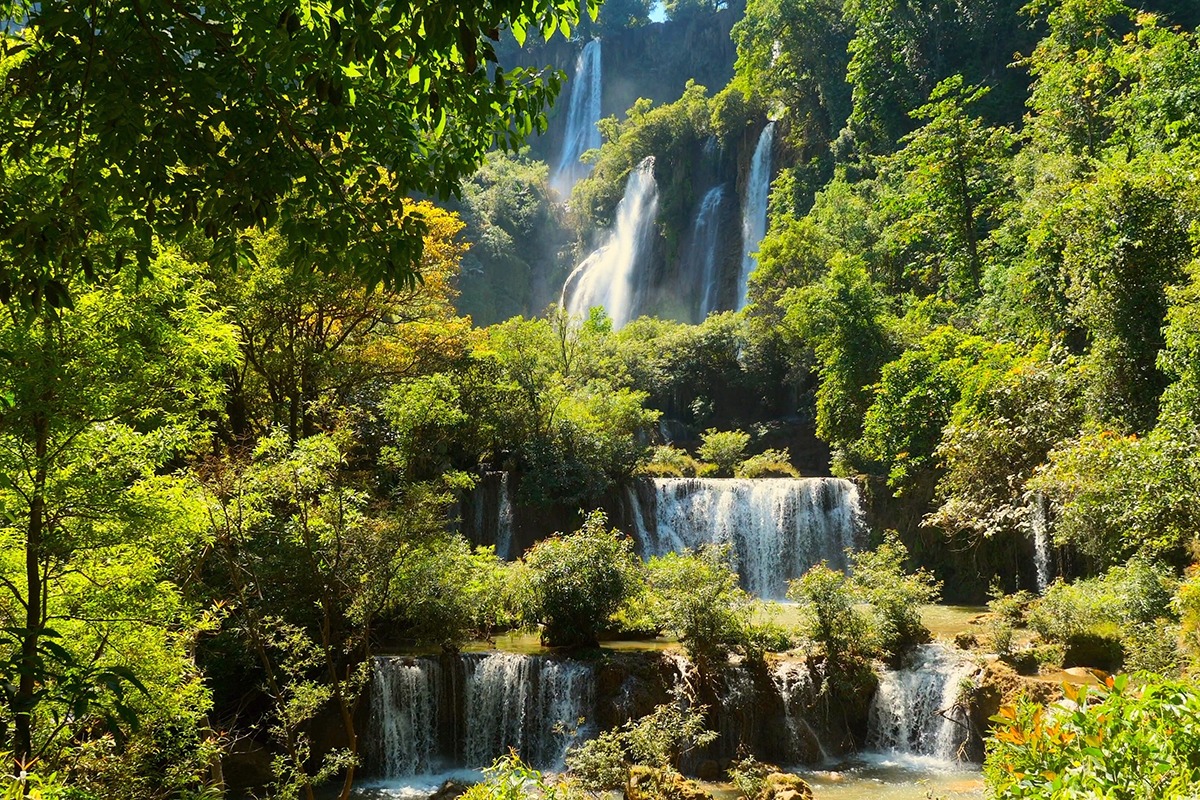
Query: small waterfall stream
[467, 709]
[706, 239]
[754, 208]
[778, 527]
[1039, 524]
[916, 710]
[608, 276]
[583, 112]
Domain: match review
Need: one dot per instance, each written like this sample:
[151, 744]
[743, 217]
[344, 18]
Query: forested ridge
[250, 418]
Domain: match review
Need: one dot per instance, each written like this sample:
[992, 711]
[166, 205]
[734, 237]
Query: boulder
[648, 783]
[450, 790]
[785, 786]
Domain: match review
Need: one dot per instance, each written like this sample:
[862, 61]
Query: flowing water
[609, 276]
[583, 112]
[1039, 523]
[431, 713]
[777, 528]
[754, 208]
[706, 239]
[916, 710]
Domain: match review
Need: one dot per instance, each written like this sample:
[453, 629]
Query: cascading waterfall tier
[916, 710]
[583, 112]
[777, 527]
[465, 710]
[754, 209]
[609, 276]
[706, 239]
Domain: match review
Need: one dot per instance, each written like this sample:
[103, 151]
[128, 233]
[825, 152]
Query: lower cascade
[916, 710]
[465, 710]
[777, 527]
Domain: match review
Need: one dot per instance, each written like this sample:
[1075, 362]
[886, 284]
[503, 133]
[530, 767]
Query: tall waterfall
[583, 112]
[754, 208]
[778, 527]
[916, 710]
[1039, 523]
[466, 710]
[706, 237]
[608, 276]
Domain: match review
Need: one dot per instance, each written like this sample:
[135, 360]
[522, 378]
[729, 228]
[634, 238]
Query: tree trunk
[25, 698]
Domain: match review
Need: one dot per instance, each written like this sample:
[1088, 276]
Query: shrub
[1106, 617]
[1006, 613]
[830, 616]
[895, 596]
[1186, 604]
[656, 740]
[510, 778]
[724, 449]
[696, 597]
[670, 462]
[768, 464]
[749, 775]
[1138, 743]
[577, 582]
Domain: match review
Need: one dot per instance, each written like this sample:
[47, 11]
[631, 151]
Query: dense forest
[391, 389]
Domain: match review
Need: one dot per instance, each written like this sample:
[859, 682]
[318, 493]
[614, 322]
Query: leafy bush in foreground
[1121, 741]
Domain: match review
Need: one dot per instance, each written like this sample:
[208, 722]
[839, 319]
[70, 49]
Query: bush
[656, 740]
[1106, 617]
[670, 462]
[830, 615]
[768, 464]
[1186, 604]
[577, 582]
[1006, 613]
[895, 596]
[696, 597]
[1138, 743]
[723, 449]
[749, 775]
[510, 778]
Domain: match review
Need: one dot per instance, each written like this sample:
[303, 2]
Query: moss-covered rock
[648, 783]
[785, 786]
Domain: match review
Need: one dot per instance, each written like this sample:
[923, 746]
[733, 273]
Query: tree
[97, 400]
[842, 320]
[123, 121]
[950, 186]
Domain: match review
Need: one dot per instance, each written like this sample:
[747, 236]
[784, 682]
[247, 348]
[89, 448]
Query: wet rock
[785, 786]
[647, 783]
[966, 641]
[450, 790]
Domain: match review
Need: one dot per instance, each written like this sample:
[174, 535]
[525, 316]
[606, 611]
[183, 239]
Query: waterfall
[1039, 523]
[427, 713]
[607, 276]
[504, 521]
[916, 711]
[706, 237]
[778, 527]
[405, 714]
[793, 681]
[754, 209]
[583, 112]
